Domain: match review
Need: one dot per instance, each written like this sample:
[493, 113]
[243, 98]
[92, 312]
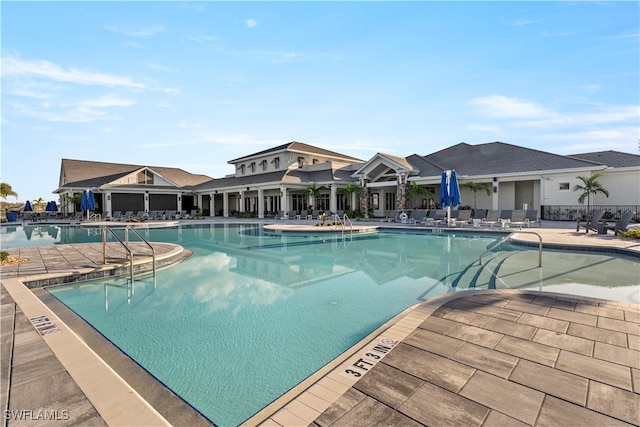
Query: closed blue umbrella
[87, 203]
[454, 190]
[449, 191]
[27, 207]
[444, 191]
[91, 201]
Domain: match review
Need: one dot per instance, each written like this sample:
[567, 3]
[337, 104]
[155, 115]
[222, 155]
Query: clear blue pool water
[251, 314]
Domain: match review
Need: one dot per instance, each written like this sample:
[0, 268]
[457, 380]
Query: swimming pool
[251, 314]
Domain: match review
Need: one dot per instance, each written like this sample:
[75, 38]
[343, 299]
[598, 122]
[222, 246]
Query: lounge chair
[435, 217]
[463, 218]
[117, 216]
[532, 216]
[492, 218]
[391, 216]
[518, 219]
[293, 215]
[127, 216]
[142, 215]
[505, 217]
[417, 215]
[593, 223]
[620, 226]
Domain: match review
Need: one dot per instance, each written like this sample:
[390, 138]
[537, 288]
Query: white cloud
[251, 23]
[106, 101]
[142, 32]
[17, 67]
[499, 106]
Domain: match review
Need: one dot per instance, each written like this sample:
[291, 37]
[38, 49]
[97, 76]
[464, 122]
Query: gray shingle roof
[90, 174]
[613, 159]
[500, 158]
[297, 147]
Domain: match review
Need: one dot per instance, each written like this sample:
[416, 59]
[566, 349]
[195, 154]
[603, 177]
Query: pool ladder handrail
[125, 245]
[343, 222]
[508, 237]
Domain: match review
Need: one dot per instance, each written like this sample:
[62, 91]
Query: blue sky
[195, 84]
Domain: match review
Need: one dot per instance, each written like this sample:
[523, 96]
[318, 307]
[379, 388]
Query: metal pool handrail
[126, 246]
[508, 237]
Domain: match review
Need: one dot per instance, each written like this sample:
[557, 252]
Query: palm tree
[6, 191]
[348, 190]
[314, 191]
[37, 204]
[475, 187]
[417, 190]
[589, 186]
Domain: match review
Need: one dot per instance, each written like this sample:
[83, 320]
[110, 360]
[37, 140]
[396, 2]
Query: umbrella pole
[449, 194]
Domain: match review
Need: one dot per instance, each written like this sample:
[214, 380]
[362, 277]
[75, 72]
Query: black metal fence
[575, 212]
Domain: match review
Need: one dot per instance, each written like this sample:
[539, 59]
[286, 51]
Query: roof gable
[90, 174]
[297, 147]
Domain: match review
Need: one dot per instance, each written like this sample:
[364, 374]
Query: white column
[146, 202]
[333, 201]
[107, 202]
[495, 201]
[225, 204]
[212, 205]
[179, 202]
[260, 203]
[240, 202]
[284, 200]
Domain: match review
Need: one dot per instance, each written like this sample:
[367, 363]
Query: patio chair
[620, 226]
[492, 218]
[417, 215]
[518, 219]
[593, 223]
[532, 216]
[293, 215]
[436, 217]
[117, 216]
[391, 216]
[463, 218]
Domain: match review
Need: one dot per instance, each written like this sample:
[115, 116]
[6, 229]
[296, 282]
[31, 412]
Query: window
[389, 201]
[374, 201]
[253, 166]
[299, 202]
[563, 186]
[322, 202]
[276, 162]
[315, 161]
[145, 177]
[264, 165]
[301, 162]
[242, 168]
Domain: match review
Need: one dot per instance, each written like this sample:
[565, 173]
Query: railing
[342, 222]
[497, 244]
[509, 238]
[125, 245]
[575, 212]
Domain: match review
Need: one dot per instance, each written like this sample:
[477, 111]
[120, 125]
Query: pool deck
[466, 358]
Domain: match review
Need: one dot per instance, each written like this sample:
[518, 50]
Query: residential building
[275, 181]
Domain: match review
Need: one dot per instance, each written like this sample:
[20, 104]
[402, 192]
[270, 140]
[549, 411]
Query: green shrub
[244, 215]
[632, 234]
[4, 255]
